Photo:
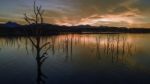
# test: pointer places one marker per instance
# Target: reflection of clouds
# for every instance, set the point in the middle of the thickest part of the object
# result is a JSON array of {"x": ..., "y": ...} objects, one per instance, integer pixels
[
  {"x": 115, "y": 48},
  {"x": 86, "y": 47},
  {"x": 103, "y": 39}
]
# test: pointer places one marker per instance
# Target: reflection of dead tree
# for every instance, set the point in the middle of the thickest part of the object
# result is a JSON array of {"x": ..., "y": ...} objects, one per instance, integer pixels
[
  {"x": 41, "y": 48},
  {"x": 129, "y": 49},
  {"x": 71, "y": 46},
  {"x": 53, "y": 44},
  {"x": 98, "y": 41},
  {"x": 117, "y": 43},
  {"x": 118, "y": 48},
  {"x": 67, "y": 47},
  {"x": 112, "y": 48},
  {"x": 108, "y": 44},
  {"x": 123, "y": 45}
]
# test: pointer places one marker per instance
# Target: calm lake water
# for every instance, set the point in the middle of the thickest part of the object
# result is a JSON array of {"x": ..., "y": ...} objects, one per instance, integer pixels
[{"x": 76, "y": 59}]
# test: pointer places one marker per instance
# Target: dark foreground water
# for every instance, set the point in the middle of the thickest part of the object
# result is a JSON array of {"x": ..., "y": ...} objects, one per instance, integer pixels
[{"x": 76, "y": 59}]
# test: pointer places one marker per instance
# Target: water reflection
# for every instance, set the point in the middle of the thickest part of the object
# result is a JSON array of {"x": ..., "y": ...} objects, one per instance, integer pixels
[
  {"x": 36, "y": 45},
  {"x": 41, "y": 56},
  {"x": 119, "y": 47},
  {"x": 75, "y": 48}
]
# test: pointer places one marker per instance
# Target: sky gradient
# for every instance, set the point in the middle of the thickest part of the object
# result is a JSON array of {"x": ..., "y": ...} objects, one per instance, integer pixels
[{"x": 124, "y": 13}]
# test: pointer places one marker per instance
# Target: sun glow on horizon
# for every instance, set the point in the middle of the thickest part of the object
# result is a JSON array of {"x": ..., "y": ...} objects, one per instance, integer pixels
[{"x": 97, "y": 20}]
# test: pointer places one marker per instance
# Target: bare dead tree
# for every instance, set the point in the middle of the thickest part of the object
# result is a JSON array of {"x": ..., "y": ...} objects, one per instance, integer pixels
[
  {"x": 37, "y": 43},
  {"x": 37, "y": 17}
]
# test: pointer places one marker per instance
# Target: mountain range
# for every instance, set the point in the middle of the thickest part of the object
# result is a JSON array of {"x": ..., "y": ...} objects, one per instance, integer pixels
[{"x": 12, "y": 28}]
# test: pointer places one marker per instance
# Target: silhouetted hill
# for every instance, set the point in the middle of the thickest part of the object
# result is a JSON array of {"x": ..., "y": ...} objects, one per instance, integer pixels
[
  {"x": 12, "y": 28},
  {"x": 12, "y": 24}
]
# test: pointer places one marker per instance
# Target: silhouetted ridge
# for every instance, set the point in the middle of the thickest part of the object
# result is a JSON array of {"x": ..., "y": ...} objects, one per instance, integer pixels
[
  {"x": 12, "y": 24},
  {"x": 12, "y": 28}
]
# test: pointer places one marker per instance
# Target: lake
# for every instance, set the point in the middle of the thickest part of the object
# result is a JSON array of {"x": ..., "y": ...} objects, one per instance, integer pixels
[{"x": 76, "y": 59}]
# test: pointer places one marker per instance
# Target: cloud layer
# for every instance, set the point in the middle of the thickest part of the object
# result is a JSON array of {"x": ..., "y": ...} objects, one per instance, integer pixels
[{"x": 130, "y": 13}]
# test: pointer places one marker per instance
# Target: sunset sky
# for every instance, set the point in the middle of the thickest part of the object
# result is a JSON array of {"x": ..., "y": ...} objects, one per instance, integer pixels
[{"x": 128, "y": 13}]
